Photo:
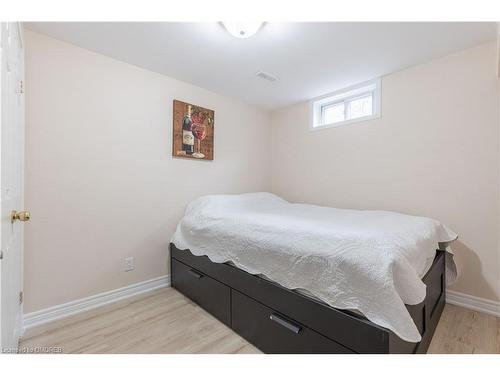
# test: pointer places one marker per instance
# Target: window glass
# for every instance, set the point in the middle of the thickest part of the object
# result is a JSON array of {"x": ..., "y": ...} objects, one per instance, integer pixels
[
  {"x": 360, "y": 107},
  {"x": 333, "y": 113}
]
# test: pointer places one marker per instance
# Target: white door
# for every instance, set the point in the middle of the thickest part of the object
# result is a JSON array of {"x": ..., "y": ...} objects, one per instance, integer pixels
[{"x": 11, "y": 183}]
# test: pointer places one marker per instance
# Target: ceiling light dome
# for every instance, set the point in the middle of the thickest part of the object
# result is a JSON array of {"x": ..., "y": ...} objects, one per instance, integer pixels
[{"x": 242, "y": 29}]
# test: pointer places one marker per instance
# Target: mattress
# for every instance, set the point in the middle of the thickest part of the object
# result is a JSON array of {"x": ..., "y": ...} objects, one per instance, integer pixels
[
  {"x": 306, "y": 293},
  {"x": 368, "y": 261}
]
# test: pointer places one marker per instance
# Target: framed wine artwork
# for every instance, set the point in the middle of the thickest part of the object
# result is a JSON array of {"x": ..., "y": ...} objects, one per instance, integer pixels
[{"x": 193, "y": 131}]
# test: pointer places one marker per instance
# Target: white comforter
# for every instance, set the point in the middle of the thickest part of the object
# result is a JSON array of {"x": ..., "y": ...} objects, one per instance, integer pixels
[{"x": 371, "y": 261}]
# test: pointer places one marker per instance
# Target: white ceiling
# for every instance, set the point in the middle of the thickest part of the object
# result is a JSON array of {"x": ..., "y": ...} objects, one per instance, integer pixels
[{"x": 310, "y": 59}]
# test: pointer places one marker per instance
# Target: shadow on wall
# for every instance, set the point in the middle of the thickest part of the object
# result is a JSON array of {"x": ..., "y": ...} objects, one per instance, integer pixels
[{"x": 469, "y": 266}]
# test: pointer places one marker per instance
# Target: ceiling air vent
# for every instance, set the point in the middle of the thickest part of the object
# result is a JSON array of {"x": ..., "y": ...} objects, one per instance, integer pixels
[{"x": 266, "y": 76}]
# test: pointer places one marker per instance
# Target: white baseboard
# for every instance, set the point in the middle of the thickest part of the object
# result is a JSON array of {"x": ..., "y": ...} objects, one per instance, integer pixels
[
  {"x": 74, "y": 307},
  {"x": 473, "y": 303},
  {"x": 64, "y": 310}
]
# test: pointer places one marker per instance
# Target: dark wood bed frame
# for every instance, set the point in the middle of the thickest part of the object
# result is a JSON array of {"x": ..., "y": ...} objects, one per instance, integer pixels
[{"x": 280, "y": 320}]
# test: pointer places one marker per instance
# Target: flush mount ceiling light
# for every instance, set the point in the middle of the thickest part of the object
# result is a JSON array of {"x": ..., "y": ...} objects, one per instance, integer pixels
[{"x": 242, "y": 29}]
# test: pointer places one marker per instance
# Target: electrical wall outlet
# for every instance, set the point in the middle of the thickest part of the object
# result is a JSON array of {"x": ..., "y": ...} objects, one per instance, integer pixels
[{"x": 129, "y": 264}]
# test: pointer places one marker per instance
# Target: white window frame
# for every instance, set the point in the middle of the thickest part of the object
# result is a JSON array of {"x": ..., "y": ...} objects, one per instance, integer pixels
[{"x": 317, "y": 105}]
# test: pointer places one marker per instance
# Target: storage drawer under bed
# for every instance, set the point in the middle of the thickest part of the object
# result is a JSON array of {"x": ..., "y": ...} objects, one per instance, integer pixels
[
  {"x": 212, "y": 295},
  {"x": 246, "y": 303},
  {"x": 274, "y": 333},
  {"x": 334, "y": 325}
]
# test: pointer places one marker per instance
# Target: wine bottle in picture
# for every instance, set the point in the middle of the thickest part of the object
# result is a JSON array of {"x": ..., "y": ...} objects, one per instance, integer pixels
[{"x": 187, "y": 134}]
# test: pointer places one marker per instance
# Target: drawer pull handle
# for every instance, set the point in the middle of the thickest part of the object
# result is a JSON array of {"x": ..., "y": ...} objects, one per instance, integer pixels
[
  {"x": 196, "y": 274},
  {"x": 285, "y": 323}
]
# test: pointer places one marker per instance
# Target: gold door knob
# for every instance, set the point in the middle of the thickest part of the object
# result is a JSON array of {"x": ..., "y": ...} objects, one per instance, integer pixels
[{"x": 19, "y": 215}]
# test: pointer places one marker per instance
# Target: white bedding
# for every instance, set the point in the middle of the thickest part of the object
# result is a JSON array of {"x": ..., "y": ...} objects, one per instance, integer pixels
[{"x": 371, "y": 261}]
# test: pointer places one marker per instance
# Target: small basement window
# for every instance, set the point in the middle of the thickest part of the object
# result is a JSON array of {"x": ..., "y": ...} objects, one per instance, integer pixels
[{"x": 356, "y": 103}]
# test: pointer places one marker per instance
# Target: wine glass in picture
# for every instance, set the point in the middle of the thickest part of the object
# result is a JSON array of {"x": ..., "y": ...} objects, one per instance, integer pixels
[{"x": 200, "y": 132}]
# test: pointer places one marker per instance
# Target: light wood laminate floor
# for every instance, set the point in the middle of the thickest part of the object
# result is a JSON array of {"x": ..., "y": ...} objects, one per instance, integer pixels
[{"x": 164, "y": 321}]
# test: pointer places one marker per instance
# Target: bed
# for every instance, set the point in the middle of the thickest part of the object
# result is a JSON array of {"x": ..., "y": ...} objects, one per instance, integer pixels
[{"x": 294, "y": 278}]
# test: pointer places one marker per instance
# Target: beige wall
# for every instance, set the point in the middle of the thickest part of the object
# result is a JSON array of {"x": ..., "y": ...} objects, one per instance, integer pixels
[
  {"x": 101, "y": 183},
  {"x": 434, "y": 152}
]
